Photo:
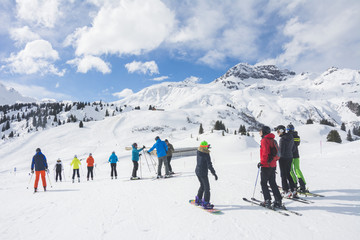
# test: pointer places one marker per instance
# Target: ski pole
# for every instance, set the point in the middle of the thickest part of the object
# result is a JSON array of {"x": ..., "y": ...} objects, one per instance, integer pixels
[
  {"x": 153, "y": 162},
  {"x": 146, "y": 161},
  {"x": 140, "y": 167},
  {"x": 256, "y": 181},
  {"x": 64, "y": 175},
  {"x": 49, "y": 178},
  {"x": 30, "y": 180}
]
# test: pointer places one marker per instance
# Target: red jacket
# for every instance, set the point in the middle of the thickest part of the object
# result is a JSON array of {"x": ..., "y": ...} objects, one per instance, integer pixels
[
  {"x": 266, "y": 143},
  {"x": 90, "y": 161}
]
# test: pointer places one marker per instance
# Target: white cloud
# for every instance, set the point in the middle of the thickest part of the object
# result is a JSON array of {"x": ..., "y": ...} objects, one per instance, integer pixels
[
  {"x": 57, "y": 85},
  {"x": 124, "y": 27},
  {"x": 192, "y": 79},
  {"x": 40, "y": 12},
  {"x": 23, "y": 35},
  {"x": 37, "y": 57},
  {"x": 87, "y": 63},
  {"x": 143, "y": 67},
  {"x": 159, "y": 79},
  {"x": 124, "y": 93}
]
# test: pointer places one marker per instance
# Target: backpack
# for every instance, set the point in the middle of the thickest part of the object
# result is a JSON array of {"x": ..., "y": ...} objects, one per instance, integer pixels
[{"x": 274, "y": 152}]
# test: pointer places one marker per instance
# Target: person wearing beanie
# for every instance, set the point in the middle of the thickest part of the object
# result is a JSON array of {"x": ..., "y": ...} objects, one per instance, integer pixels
[
  {"x": 135, "y": 159},
  {"x": 41, "y": 167},
  {"x": 58, "y": 168},
  {"x": 76, "y": 166},
  {"x": 90, "y": 167},
  {"x": 203, "y": 164},
  {"x": 169, "y": 154},
  {"x": 268, "y": 167},
  {"x": 161, "y": 150},
  {"x": 113, "y": 159}
]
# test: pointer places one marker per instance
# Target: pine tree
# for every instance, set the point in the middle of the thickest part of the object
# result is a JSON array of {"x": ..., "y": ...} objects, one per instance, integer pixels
[
  {"x": 107, "y": 113},
  {"x": 309, "y": 121},
  {"x": 201, "y": 130},
  {"x": 81, "y": 124},
  {"x": 11, "y": 135},
  {"x": 343, "y": 127},
  {"x": 349, "y": 137},
  {"x": 333, "y": 136}
]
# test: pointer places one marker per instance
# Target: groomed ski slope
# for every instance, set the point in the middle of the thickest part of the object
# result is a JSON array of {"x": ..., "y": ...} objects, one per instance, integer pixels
[{"x": 159, "y": 209}]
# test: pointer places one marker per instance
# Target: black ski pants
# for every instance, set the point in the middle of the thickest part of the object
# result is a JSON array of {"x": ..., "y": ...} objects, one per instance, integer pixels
[
  {"x": 90, "y": 172},
  {"x": 286, "y": 179},
  {"x": 113, "y": 169},
  {"x": 268, "y": 176},
  {"x": 135, "y": 168},
  {"x": 169, "y": 160},
  {"x": 204, "y": 188},
  {"x": 58, "y": 174},
  {"x": 76, "y": 171}
]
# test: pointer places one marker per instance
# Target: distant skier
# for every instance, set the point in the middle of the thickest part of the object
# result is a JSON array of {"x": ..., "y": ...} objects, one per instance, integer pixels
[
  {"x": 268, "y": 167},
  {"x": 295, "y": 171},
  {"x": 41, "y": 167},
  {"x": 286, "y": 144},
  {"x": 113, "y": 159},
  {"x": 169, "y": 155},
  {"x": 58, "y": 168},
  {"x": 135, "y": 159},
  {"x": 161, "y": 149},
  {"x": 203, "y": 164},
  {"x": 90, "y": 167},
  {"x": 76, "y": 166}
]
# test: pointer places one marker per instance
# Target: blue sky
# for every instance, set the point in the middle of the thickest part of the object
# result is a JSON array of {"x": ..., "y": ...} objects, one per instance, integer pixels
[{"x": 106, "y": 49}]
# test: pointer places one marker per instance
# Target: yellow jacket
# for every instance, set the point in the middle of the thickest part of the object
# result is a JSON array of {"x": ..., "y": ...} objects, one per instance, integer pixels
[{"x": 76, "y": 162}]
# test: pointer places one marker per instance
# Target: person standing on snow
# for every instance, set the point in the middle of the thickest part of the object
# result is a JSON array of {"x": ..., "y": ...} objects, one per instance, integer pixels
[
  {"x": 286, "y": 155},
  {"x": 90, "y": 167},
  {"x": 295, "y": 171},
  {"x": 41, "y": 166},
  {"x": 113, "y": 159},
  {"x": 135, "y": 160},
  {"x": 268, "y": 167},
  {"x": 169, "y": 155},
  {"x": 203, "y": 164},
  {"x": 76, "y": 166},
  {"x": 58, "y": 168},
  {"x": 161, "y": 149}
]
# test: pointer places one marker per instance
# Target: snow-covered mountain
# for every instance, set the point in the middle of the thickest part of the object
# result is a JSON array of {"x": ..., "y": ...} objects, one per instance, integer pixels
[{"x": 11, "y": 96}]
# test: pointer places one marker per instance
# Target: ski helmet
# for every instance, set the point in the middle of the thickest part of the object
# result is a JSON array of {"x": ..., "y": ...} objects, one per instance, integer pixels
[
  {"x": 280, "y": 128},
  {"x": 90, "y": 154},
  {"x": 265, "y": 130},
  {"x": 290, "y": 127},
  {"x": 38, "y": 150},
  {"x": 134, "y": 144},
  {"x": 166, "y": 140},
  {"x": 157, "y": 138},
  {"x": 75, "y": 156}
]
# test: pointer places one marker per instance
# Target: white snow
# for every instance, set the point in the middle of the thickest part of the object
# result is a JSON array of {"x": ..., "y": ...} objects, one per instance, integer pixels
[{"x": 159, "y": 209}]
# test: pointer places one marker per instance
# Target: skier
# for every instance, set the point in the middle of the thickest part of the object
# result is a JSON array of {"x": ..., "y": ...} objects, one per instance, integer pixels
[
  {"x": 169, "y": 155},
  {"x": 58, "y": 168},
  {"x": 285, "y": 161},
  {"x": 90, "y": 167},
  {"x": 268, "y": 167},
  {"x": 295, "y": 172},
  {"x": 203, "y": 164},
  {"x": 41, "y": 166},
  {"x": 76, "y": 165},
  {"x": 113, "y": 159},
  {"x": 161, "y": 149},
  {"x": 135, "y": 160}
]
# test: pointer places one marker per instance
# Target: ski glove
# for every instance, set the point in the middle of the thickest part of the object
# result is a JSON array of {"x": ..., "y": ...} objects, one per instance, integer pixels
[
  {"x": 216, "y": 177},
  {"x": 143, "y": 146},
  {"x": 259, "y": 165},
  {"x": 32, "y": 170}
]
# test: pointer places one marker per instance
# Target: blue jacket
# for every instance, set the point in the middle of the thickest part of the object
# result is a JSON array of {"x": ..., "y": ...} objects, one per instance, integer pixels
[
  {"x": 161, "y": 148},
  {"x": 135, "y": 153},
  {"x": 113, "y": 158},
  {"x": 39, "y": 161}
]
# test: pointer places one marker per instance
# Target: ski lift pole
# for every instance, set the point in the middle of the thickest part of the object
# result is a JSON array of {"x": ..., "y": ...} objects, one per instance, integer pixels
[{"x": 29, "y": 180}]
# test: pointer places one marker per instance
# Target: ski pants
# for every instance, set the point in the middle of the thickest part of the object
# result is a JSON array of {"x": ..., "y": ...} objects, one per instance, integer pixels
[
  {"x": 296, "y": 172},
  {"x": 286, "y": 179},
  {"x": 135, "y": 168},
  {"x": 76, "y": 171},
  {"x": 90, "y": 172},
  {"x": 268, "y": 175},
  {"x": 113, "y": 169},
  {"x": 161, "y": 161},
  {"x": 169, "y": 160},
  {"x": 204, "y": 188},
  {"x": 58, "y": 175},
  {"x": 37, "y": 178}
]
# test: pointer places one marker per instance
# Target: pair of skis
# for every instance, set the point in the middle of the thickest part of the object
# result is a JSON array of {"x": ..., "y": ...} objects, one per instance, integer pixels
[{"x": 283, "y": 211}]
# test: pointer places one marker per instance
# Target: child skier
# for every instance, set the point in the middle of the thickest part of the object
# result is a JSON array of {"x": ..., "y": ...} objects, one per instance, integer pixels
[
  {"x": 113, "y": 159},
  {"x": 203, "y": 164},
  {"x": 58, "y": 168},
  {"x": 76, "y": 165},
  {"x": 41, "y": 166},
  {"x": 268, "y": 167},
  {"x": 90, "y": 167},
  {"x": 135, "y": 160}
]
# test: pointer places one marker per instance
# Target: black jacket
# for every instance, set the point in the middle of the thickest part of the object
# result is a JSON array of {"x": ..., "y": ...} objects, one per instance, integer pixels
[
  {"x": 296, "y": 143},
  {"x": 203, "y": 162},
  {"x": 39, "y": 161},
  {"x": 286, "y": 145}
]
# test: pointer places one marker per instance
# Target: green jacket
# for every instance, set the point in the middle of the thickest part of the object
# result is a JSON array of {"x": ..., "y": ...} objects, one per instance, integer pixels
[{"x": 76, "y": 162}]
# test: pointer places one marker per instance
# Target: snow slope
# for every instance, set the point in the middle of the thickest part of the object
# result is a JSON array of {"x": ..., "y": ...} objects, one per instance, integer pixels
[
  {"x": 159, "y": 209},
  {"x": 11, "y": 96}
]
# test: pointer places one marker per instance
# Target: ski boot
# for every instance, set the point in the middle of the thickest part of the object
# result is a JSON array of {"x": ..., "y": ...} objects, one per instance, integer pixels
[
  {"x": 35, "y": 190},
  {"x": 158, "y": 176},
  {"x": 45, "y": 189},
  {"x": 73, "y": 181},
  {"x": 171, "y": 173},
  {"x": 266, "y": 203},
  {"x": 198, "y": 201},
  {"x": 134, "y": 178},
  {"x": 88, "y": 179},
  {"x": 294, "y": 194},
  {"x": 78, "y": 179},
  {"x": 207, "y": 205},
  {"x": 167, "y": 176},
  {"x": 287, "y": 194},
  {"x": 278, "y": 204}
]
